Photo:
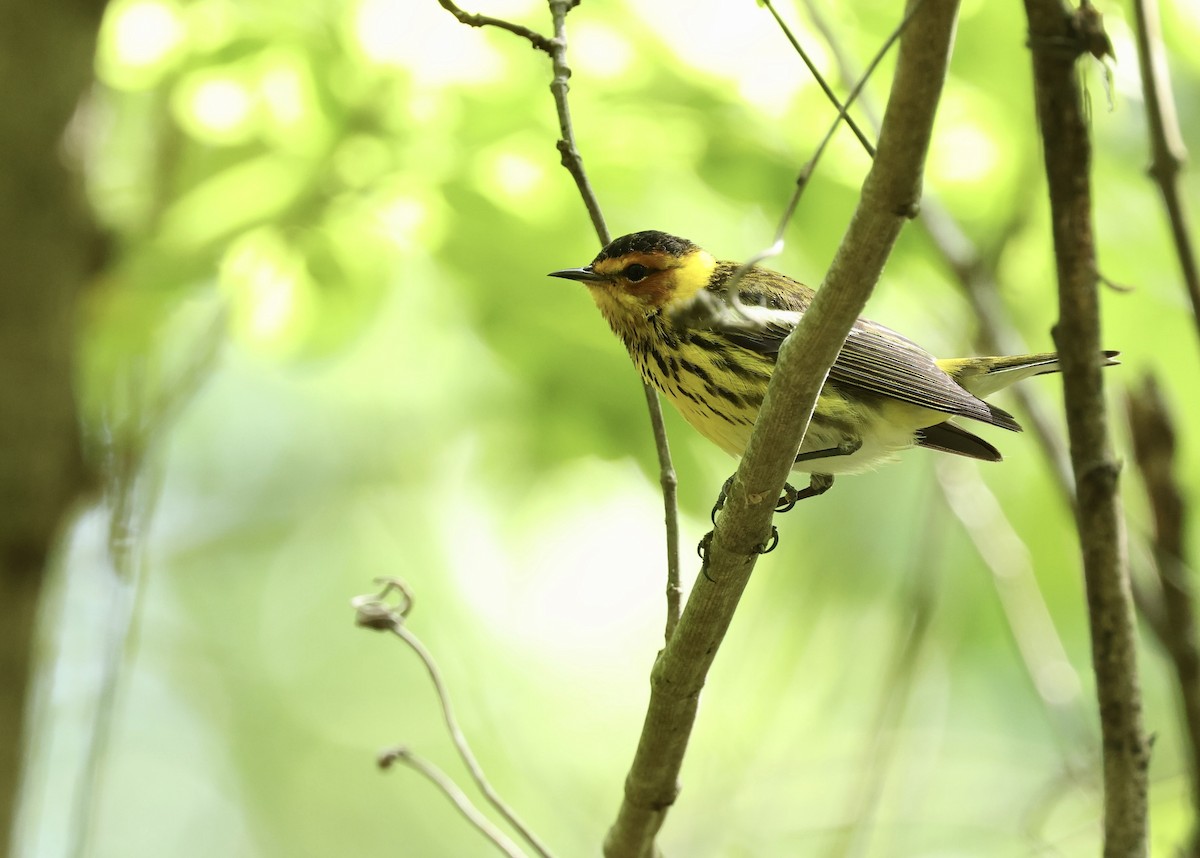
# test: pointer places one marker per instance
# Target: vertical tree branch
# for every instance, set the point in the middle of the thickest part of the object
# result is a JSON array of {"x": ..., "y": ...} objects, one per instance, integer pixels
[
  {"x": 1057, "y": 38},
  {"x": 48, "y": 250},
  {"x": 1154, "y": 445},
  {"x": 1166, "y": 143},
  {"x": 890, "y": 196}
]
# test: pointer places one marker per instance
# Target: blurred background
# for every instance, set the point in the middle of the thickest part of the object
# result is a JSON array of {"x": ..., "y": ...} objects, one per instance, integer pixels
[{"x": 322, "y": 349}]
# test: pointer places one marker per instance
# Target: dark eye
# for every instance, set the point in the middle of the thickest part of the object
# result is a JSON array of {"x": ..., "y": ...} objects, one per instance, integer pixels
[{"x": 635, "y": 272}]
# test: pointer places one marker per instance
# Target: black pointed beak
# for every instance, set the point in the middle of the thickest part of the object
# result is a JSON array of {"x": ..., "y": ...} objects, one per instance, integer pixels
[{"x": 586, "y": 275}]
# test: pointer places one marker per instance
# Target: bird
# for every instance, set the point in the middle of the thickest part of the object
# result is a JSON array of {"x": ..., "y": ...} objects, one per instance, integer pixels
[{"x": 710, "y": 350}]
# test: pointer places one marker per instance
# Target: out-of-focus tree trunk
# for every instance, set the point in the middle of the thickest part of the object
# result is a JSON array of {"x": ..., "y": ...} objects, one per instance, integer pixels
[{"x": 47, "y": 247}]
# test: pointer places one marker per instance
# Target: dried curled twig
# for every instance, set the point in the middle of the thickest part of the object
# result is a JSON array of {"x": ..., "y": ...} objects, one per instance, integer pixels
[{"x": 375, "y": 612}]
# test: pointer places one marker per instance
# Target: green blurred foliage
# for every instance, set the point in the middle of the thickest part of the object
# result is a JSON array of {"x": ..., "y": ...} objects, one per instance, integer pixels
[{"x": 362, "y": 201}]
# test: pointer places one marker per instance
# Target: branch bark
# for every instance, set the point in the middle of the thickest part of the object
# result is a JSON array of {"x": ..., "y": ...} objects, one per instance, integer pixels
[
  {"x": 890, "y": 196},
  {"x": 46, "y": 255},
  {"x": 1154, "y": 445},
  {"x": 1058, "y": 37},
  {"x": 1166, "y": 141}
]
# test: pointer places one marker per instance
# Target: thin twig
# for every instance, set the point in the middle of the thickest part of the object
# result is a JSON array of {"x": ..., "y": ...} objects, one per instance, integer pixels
[
  {"x": 1057, "y": 39},
  {"x": 807, "y": 170},
  {"x": 560, "y": 86},
  {"x": 670, "y": 489},
  {"x": 573, "y": 162},
  {"x": 460, "y": 742},
  {"x": 1166, "y": 141},
  {"x": 375, "y": 612},
  {"x": 556, "y": 48},
  {"x": 537, "y": 40},
  {"x": 1153, "y": 431},
  {"x": 727, "y": 312},
  {"x": 819, "y": 78},
  {"x": 889, "y": 194},
  {"x": 457, "y": 797}
]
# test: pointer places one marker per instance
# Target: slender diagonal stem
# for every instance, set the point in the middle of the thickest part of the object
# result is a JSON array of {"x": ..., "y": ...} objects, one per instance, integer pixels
[
  {"x": 460, "y": 741},
  {"x": 808, "y": 169},
  {"x": 133, "y": 490},
  {"x": 556, "y": 49},
  {"x": 573, "y": 162},
  {"x": 819, "y": 78},
  {"x": 1030, "y": 623},
  {"x": 457, "y": 797},
  {"x": 732, "y": 301},
  {"x": 387, "y": 611}
]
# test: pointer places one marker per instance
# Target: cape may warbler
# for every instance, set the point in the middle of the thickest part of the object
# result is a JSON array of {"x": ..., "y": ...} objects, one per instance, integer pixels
[{"x": 884, "y": 393}]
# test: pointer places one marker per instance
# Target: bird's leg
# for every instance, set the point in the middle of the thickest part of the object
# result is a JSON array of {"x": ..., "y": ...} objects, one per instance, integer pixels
[
  {"x": 722, "y": 496},
  {"x": 818, "y": 484},
  {"x": 847, "y": 447}
]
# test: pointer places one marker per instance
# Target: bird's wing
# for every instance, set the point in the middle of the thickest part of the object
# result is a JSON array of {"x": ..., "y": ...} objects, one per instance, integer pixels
[{"x": 876, "y": 360}]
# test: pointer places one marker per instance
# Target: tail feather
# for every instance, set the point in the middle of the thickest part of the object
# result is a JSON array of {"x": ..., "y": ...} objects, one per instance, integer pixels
[
  {"x": 984, "y": 376},
  {"x": 950, "y": 438}
]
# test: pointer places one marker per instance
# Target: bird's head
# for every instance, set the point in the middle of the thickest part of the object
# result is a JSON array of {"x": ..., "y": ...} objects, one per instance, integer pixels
[{"x": 642, "y": 273}]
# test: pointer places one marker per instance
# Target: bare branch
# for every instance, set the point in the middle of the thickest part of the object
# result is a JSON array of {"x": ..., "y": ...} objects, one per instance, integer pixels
[
  {"x": 556, "y": 48},
  {"x": 807, "y": 170},
  {"x": 374, "y": 612},
  {"x": 890, "y": 196},
  {"x": 1166, "y": 141},
  {"x": 458, "y": 798},
  {"x": 670, "y": 489},
  {"x": 1153, "y": 432},
  {"x": 1058, "y": 37},
  {"x": 559, "y": 86},
  {"x": 573, "y": 161},
  {"x": 819, "y": 78},
  {"x": 538, "y": 41}
]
